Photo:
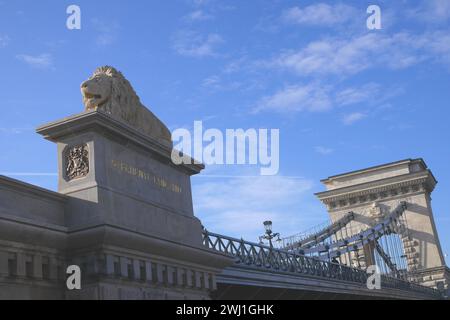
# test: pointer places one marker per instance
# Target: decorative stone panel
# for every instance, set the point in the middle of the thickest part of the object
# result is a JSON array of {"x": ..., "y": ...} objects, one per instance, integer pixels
[{"x": 76, "y": 162}]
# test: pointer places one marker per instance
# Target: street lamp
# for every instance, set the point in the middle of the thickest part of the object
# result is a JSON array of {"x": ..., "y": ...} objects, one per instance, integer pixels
[
  {"x": 269, "y": 234},
  {"x": 268, "y": 226}
]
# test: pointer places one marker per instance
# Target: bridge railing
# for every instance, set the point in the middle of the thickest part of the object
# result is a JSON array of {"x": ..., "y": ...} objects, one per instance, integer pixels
[
  {"x": 316, "y": 234},
  {"x": 268, "y": 258}
]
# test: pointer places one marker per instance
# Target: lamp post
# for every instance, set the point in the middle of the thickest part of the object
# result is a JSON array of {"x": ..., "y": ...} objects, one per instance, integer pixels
[{"x": 269, "y": 235}]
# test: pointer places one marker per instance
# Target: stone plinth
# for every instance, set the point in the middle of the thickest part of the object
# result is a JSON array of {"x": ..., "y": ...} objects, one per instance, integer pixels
[
  {"x": 129, "y": 214},
  {"x": 118, "y": 176}
]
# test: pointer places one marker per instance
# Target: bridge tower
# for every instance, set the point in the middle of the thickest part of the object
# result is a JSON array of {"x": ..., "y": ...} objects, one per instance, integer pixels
[{"x": 373, "y": 192}]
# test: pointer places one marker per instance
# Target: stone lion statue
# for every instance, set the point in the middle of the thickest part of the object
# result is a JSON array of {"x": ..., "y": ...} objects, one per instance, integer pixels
[{"x": 107, "y": 90}]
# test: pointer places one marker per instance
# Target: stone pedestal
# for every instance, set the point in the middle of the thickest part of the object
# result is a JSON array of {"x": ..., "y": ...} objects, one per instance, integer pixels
[{"x": 129, "y": 213}]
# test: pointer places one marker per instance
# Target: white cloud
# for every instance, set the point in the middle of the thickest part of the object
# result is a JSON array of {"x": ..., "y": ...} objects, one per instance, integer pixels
[
  {"x": 193, "y": 44},
  {"x": 338, "y": 56},
  {"x": 105, "y": 39},
  {"x": 238, "y": 206},
  {"x": 433, "y": 11},
  {"x": 323, "y": 150},
  {"x": 439, "y": 9},
  {"x": 200, "y": 3},
  {"x": 311, "y": 97},
  {"x": 235, "y": 65},
  {"x": 215, "y": 82},
  {"x": 4, "y": 40},
  {"x": 211, "y": 82},
  {"x": 198, "y": 15},
  {"x": 320, "y": 14},
  {"x": 258, "y": 191},
  {"x": 344, "y": 57},
  {"x": 329, "y": 57},
  {"x": 354, "y": 95},
  {"x": 42, "y": 61},
  {"x": 353, "y": 117},
  {"x": 315, "y": 97},
  {"x": 106, "y": 32},
  {"x": 9, "y": 131},
  {"x": 439, "y": 45}
]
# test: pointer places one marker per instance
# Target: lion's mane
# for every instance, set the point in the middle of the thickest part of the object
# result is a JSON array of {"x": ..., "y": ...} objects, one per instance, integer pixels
[{"x": 125, "y": 104}]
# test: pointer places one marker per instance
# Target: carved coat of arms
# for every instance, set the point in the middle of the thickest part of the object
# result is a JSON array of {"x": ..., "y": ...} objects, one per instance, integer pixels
[{"x": 77, "y": 162}]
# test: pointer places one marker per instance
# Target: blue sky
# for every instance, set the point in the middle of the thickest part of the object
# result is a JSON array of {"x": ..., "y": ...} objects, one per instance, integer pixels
[{"x": 343, "y": 97}]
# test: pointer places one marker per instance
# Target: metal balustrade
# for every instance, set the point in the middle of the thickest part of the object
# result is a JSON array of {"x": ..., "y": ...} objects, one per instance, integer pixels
[{"x": 276, "y": 260}]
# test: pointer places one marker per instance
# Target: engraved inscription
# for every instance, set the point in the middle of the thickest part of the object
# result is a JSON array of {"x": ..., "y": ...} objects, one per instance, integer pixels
[
  {"x": 147, "y": 176},
  {"x": 77, "y": 162}
]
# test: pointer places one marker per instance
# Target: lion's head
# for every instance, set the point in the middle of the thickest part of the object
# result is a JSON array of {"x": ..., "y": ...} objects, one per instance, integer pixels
[
  {"x": 97, "y": 90},
  {"x": 106, "y": 89}
]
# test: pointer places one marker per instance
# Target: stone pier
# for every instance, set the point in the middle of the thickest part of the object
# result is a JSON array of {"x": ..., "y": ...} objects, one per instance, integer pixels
[{"x": 371, "y": 193}]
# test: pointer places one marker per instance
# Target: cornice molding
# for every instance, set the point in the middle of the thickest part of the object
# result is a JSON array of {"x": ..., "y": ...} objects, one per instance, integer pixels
[
  {"x": 29, "y": 189},
  {"x": 100, "y": 122},
  {"x": 380, "y": 190}
]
